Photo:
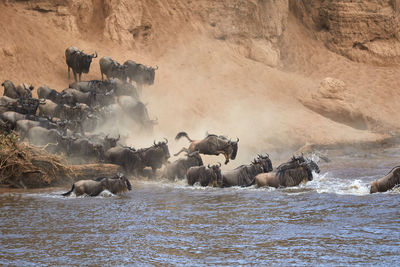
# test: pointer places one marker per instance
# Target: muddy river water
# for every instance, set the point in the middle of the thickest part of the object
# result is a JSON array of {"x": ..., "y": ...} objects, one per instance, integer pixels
[{"x": 332, "y": 220}]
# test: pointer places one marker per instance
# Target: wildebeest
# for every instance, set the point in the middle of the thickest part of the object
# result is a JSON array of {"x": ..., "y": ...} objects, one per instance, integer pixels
[
  {"x": 140, "y": 73},
  {"x": 45, "y": 92},
  {"x": 40, "y": 136},
  {"x": 291, "y": 173},
  {"x": 245, "y": 175},
  {"x": 20, "y": 91},
  {"x": 75, "y": 96},
  {"x": 128, "y": 158},
  {"x": 78, "y": 61},
  {"x": 211, "y": 145},
  {"x": 137, "y": 111},
  {"x": 387, "y": 182},
  {"x": 179, "y": 167},
  {"x": 156, "y": 155},
  {"x": 124, "y": 88},
  {"x": 81, "y": 147},
  {"x": 115, "y": 185},
  {"x": 105, "y": 141},
  {"x": 206, "y": 176},
  {"x": 7, "y": 104},
  {"x": 93, "y": 85},
  {"x": 51, "y": 109},
  {"x": 23, "y": 126},
  {"x": 112, "y": 69}
]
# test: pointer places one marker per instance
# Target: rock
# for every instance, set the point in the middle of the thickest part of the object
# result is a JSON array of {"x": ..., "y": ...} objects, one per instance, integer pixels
[
  {"x": 332, "y": 100},
  {"x": 364, "y": 31}
]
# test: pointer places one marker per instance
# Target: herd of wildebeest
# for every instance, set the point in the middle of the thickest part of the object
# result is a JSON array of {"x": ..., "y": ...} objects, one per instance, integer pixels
[{"x": 68, "y": 121}]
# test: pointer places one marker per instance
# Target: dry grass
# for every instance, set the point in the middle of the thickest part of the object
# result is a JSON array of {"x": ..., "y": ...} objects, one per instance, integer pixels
[{"x": 23, "y": 165}]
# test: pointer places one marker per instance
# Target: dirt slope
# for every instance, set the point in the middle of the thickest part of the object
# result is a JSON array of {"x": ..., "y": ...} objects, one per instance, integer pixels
[{"x": 243, "y": 68}]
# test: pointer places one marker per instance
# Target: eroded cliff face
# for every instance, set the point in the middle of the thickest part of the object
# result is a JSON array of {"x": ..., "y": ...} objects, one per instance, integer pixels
[
  {"x": 251, "y": 68},
  {"x": 363, "y": 31},
  {"x": 256, "y": 26}
]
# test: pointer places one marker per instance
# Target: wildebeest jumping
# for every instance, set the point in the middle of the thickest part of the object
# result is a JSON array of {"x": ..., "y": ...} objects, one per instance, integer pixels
[
  {"x": 179, "y": 167},
  {"x": 244, "y": 175},
  {"x": 387, "y": 182},
  {"x": 206, "y": 176},
  {"x": 78, "y": 61},
  {"x": 115, "y": 185},
  {"x": 211, "y": 145},
  {"x": 292, "y": 173}
]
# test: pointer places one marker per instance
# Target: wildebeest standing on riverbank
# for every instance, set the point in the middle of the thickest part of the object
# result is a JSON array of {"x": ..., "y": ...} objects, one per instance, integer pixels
[
  {"x": 78, "y": 61},
  {"x": 387, "y": 182},
  {"x": 211, "y": 145}
]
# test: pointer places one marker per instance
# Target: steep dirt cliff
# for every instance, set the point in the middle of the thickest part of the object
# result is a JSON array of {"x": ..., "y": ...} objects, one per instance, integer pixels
[{"x": 247, "y": 68}]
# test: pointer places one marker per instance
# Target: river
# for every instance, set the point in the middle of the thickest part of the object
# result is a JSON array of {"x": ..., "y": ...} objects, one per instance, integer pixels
[{"x": 332, "y": 220}]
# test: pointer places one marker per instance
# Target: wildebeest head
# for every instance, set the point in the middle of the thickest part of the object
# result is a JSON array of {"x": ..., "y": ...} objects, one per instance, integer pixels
[
  {"x": 310, "y": 166},
  {"x": 265, "y": 162},
  {"x": 234, "y": 145},
  {"x": 196, "y": 155},
  {"x": 123, "y": 178},
  {"x": 110, "y": 142},
  {"x": 216, "y": 179},
  {"x": 164, "y": 147},
  {"x": 148, "y": 74},
  {"x": 86, "y": 61}
]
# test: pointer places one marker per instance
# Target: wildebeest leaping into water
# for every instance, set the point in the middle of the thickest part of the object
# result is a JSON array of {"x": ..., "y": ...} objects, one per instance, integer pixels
[
  {"x": 291, "y": 173},
  {"x": 211, "y": 145}
]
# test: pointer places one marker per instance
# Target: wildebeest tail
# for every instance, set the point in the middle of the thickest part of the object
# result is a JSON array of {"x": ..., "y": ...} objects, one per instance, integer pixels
[
  {"x": 183, "y": 134},
  {"x": 70, "y": 191}
]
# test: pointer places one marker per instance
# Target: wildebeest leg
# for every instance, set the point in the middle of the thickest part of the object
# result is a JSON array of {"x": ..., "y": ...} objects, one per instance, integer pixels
[
  {"x": 80, "y": 74},
  {"x": 102, "y": 76},
  {"x": 184, "y": 149},
  {"x": 73, "y": 71},
  {"x": 139, "y": 87},
  {"x": 226, "y": 156},
  {"x": 69, "y": 75}
]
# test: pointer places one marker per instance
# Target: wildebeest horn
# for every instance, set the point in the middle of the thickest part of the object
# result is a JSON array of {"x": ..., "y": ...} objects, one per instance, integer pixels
[
  {"x": 219, "y": 164},
  {"x": 119, "y": 136},
  {"x": 237, "y": 139},
  {"x": 42, "y": 101},
  {"x": 156, "y": 68},
  {"x": 208, "y": 166},
  {"x": 155, "y": 143},
  {"x": 166, "y": 140},
  {"x": 94, "y": 56}
]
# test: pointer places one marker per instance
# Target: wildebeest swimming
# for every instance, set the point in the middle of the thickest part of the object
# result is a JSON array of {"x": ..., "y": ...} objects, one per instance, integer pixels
[
  {"x": 387, "y": 182},
  {"x": 206, "y": 176},
  {"x": 211, "y": 145},
  {"x": 245, "y": 175},
  {"x": 115, "y": 185},
  {"x": 292, "y": 173},
  {"x": 78, "y": 61},
  {"x": 179, "y": 167}
]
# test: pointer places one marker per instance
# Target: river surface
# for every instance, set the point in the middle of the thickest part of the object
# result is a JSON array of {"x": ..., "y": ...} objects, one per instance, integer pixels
[{"x": 332, "y": 220}]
